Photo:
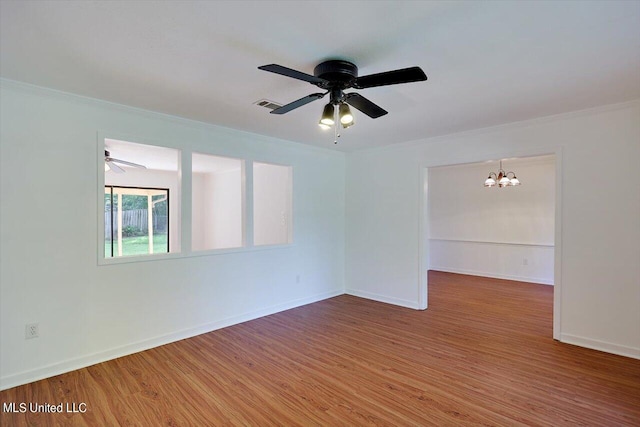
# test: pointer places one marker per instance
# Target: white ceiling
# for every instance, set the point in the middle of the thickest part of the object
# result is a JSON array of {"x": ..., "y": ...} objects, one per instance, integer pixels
[
  {"x": 150, "y": 156},
  {"x": 166, "y": 159},
  {"x": 488, "y": 63}
]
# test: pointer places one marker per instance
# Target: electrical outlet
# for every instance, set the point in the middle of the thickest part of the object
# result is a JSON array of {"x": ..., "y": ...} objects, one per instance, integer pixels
[
  {"x": 297, "y": 278},
  {"x": 31, "y": 330},
  {"x": 525, "y": 261}
]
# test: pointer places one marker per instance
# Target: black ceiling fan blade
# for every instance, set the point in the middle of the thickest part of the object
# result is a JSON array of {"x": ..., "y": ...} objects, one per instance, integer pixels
[
  {"x": 279, "y": 69},
  {"x": 298, "y": 103},
  {"x": 363, "y": 104},
  {"x": 404, "y": 75}
]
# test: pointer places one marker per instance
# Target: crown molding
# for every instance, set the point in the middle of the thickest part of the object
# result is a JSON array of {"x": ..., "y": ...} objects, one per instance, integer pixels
[
  {"x": 634, "y": 103},
  {"x": 295, "y": 145},
  {"x": 154, "y": 115}
]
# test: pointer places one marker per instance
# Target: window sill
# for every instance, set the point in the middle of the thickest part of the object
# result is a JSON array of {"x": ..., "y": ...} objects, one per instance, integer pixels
[{"x": 181, "y": 255}]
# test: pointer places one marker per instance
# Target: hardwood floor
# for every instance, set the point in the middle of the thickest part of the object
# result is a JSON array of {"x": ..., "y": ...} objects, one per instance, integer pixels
[{"x": 482, "y": 354}]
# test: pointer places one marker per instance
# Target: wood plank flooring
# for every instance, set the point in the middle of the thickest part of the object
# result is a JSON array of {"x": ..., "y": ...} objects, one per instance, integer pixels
[{"x": 482, "y": 354}]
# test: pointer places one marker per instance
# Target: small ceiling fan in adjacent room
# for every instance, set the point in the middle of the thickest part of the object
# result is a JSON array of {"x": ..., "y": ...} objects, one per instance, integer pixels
[
  {"x": 111, "y": 164},
  {"x": 336, "y": 76}
]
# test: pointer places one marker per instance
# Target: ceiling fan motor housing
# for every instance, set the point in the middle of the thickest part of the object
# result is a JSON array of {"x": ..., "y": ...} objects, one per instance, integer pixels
[{"x": 338, "y": 74}]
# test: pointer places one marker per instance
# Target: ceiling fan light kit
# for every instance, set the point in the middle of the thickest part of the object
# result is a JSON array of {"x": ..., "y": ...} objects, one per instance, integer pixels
[
  {"x": 327, "y": 116},
  {"x": 335, "y": 76},
  {"x": 346, "y": 118}
]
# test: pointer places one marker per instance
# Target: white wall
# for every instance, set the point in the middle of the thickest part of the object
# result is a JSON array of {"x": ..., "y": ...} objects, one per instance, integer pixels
[
  {"x": 217, "y": 217},
  {"x": 49, "y": 271},
  {"x": 521, "y": 262},
  {"x": 506, "y": 233},
  {"x": 226, "y": 209},
  {"x": 598, "y": 279},
  {"x": 271, "y": 203}
]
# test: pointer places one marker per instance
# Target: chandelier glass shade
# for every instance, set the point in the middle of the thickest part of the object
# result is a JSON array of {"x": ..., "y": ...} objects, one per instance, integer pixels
[{"x": 501, "y": 179}]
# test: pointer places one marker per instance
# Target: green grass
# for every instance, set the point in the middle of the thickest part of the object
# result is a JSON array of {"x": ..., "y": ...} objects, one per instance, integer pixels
[{"x": 137, "y": 245}]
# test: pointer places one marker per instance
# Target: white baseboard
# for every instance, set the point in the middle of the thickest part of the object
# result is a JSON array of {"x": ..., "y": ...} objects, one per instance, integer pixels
[
  {"x": 383, "y": 298},
  {"x": 493, "y": 275},
  {"x": 48, "y": 371},
  {"x": 607, "y": 347}
]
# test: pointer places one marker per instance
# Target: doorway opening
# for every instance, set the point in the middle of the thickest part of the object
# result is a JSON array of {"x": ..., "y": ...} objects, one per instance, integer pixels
[{"x": 508, "y": 233}]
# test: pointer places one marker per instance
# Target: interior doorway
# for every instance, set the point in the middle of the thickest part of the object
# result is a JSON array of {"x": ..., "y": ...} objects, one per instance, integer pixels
[{"x": 507, "y": 233}]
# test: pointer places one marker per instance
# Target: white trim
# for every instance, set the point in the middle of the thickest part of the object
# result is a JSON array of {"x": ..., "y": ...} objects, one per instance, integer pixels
[
  {"x": 194, "y": 124},
  {"x": 25, "y": 377},
  {"x": 493, "y": 275},
  {"x": 557, "y": 252},
  {"x": 424, "y": 233},
  {"x": 607, "y": 347},
  {"x": 185, "y": 203},
  {"x": 86, "y": 100},
  {"x": 504, "y": 126},
  {"x": 247, "y": 205},
  {"x": 487, "y": 242},
  {"x": 100, "y": 255},
  {"x": 179, "y": 255},
  {"x": 383, "y": 298}
]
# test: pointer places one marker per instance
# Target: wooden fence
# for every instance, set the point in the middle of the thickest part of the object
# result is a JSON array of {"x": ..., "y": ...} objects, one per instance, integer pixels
[{"x": 136, "y": 218}]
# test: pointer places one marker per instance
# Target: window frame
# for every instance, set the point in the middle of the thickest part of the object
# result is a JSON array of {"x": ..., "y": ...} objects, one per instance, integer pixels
[
  {"x": 183, "y": 201},
  {"x": 167, "y": 190}
]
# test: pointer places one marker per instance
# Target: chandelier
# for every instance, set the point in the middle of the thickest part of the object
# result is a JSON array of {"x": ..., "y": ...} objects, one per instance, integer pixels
[{"x": 502, "y": 179}]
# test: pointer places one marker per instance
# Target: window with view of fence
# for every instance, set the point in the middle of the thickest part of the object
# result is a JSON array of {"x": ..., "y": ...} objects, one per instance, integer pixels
[{"x": 136, "y": 221}]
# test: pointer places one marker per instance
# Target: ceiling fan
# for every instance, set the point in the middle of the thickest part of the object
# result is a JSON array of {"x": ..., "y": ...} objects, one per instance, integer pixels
[
  {"x": 335, "y": 76},
  {"x": 110, "y": 163}
]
